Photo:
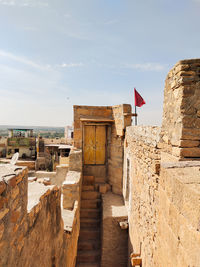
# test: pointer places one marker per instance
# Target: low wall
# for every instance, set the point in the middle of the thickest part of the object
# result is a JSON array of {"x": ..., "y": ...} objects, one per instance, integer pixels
[
  {"x": 178, "y": 238},
  {"x": 31, "y": 227},
  {"x": 140, "y": 188},
  {"x": 163, "y": 201},
  {"x": 34, "y": 230}
]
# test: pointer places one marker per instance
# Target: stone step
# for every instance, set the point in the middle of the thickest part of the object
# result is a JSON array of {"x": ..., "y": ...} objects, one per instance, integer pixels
[
  {"x": 90, "y": 203},
  {"x": 90, "y": 213},
  {"x": 88, "y": 180},
  {"x": 88, "y": 234},
  {"x": 90, "y": 195},
  {"x": 100, "y": 179},
  {"x": 88, "y": 188},
  {"x": 88, "y": 245},
  {"x": 86, "y": 264},
  {"x": 88, "y": 256},
  {"x": 102, "y": 187},
  {"x": 90, "y": 222}
]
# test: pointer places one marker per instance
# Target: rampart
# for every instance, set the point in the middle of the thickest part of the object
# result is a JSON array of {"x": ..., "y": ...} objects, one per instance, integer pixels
[
  {"x": 34, "y": 228},
  {"x": 161, "y": 179}
]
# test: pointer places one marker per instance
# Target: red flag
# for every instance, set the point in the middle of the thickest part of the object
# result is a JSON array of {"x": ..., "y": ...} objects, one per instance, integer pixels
[{"x": 139, "y": 101}]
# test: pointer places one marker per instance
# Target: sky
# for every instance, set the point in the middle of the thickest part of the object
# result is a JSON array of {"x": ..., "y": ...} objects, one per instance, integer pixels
[{"x": 58, "y": 53}]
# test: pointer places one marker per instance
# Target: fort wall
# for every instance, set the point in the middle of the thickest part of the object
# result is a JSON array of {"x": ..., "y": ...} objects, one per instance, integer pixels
[
  {"x": 34, "y": 228},
  {"x": 161, "y": 176}
]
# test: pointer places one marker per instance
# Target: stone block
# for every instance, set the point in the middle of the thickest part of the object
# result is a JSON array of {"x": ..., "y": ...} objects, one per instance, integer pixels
[
  {"x": 15, "y": 215},
  {"x": 2, "y": 187},
  {"x": 15, "y": 192},
  {"x": 3, "y": 213},
  {"x": 1, "y": 230},
  {"x": 103, "y": 188},
  {"x": 189, "y": 143}
]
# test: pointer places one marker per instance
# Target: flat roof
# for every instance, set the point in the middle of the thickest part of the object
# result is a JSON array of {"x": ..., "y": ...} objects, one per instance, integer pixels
[{"x": 60, "y": 146}]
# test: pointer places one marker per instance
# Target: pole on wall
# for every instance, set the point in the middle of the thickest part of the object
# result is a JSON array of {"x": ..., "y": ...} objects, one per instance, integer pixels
[{"x": 135, "y": 115}]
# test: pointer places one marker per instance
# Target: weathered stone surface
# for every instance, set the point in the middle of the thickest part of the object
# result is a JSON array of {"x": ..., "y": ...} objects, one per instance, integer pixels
[
  {"x": 25, "y": 233},
  {"x": 181, "y": 108},
  {"x": 1, "y": 230},
  {"x": 189, "y": 143},
  {"x": 114, "y": 239}
]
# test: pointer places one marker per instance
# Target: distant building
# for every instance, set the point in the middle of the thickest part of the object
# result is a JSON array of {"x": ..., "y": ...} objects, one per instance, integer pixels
[
  {"x": 69, "y": 131},
  {"x": 22, "y": 141},
  {"x": 59, "y": 153}
]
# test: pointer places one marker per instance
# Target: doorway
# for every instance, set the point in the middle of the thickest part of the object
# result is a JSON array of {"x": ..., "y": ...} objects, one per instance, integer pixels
[{"x": 94, "y": 144}]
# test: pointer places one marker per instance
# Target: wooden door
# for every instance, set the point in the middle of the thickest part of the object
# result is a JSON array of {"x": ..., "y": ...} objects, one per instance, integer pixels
[{"x": 94, "y": 144}]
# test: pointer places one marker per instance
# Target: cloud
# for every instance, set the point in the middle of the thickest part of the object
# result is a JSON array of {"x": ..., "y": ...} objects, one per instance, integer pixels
[
  {"x": 71, "y": 65},
  {"x": 24, "y": 3},
  {"x": 146, "y": 66},
  {"x": 22, "y": 60}
]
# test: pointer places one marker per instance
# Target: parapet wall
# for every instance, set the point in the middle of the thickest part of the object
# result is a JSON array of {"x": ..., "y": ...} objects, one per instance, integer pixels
[
  {"x": 31, "y": 229},
  {"x": 181, "y": 110},
  {"x": 34, "y": 231},
  {"x": 140, "y": 188},
  {"x": 163, "y": 202},
  {"x": 178, "y": 220},
  {"x": 161, "y": 191}
]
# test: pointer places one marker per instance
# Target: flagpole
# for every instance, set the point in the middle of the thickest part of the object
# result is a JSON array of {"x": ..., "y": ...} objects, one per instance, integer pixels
[{"x": 135, "y": 116}]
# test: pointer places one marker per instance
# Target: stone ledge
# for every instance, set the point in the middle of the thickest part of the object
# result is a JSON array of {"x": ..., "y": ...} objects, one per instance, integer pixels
[
  {"x": 72, "y": 178},
  {"x": 36, "y": 192},
  {"x": 69, "y": 218},
  {"x": 113, "y": 206}
]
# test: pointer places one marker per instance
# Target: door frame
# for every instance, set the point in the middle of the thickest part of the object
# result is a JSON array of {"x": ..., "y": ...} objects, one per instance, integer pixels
[{"x": 83, "y": 138}]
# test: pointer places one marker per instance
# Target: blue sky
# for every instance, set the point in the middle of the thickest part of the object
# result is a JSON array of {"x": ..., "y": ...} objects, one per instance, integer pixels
[{"x": 57, "y": 53}]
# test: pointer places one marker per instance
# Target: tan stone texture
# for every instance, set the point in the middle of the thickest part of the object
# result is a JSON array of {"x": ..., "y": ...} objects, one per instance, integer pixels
[{"x": 181, "y": 108}]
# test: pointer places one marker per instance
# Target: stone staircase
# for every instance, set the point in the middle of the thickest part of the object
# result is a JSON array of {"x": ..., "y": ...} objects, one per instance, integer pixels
[{"x": 89, "y": 244}]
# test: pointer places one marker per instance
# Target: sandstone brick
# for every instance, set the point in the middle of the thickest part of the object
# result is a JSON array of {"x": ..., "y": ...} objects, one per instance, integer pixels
[
  {"x": 3, "y": 213},
  {"x": 1, "y": 230},
  {"x": 189, "y": 143},
  {"x": 15, "y": 215},
  {"x": 191, "y": 134},
  {"x": 103, "y": 188},
  {"x": 2, "y": 187},
  {"x": 190, "y": 152},
  {"x": 15, "y": 192}
]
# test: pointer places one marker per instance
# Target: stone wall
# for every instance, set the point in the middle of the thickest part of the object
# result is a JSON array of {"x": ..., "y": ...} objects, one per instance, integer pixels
[
  {"x": 116, "y": 119},
  {"x": 34, "y": 231},
  {"x": 31, "y": 228},
  {"x": 140, "y": 188},
  {"x": 87, "y": 112},
  {"x": 181, "y": 110},
  {"x": 121, "y": 115},
  {"x": 178, "y": 237},
  {"x": 162, "y": 192}
]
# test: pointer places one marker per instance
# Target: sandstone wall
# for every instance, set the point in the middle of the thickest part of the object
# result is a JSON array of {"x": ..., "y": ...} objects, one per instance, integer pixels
[
  {"x": 121, "y": 115},
  {"x": 178, "y": 237},
  {"x": 181, "y": 110},
  {"x": 33, "y": 231},
  {"x": 140, "y": 188},
  {"x": 164, "y": 202},
  {"x": 87, "y": 111}
]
